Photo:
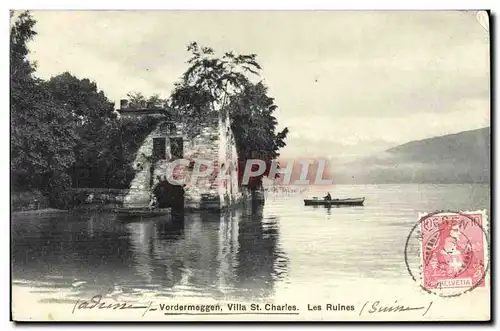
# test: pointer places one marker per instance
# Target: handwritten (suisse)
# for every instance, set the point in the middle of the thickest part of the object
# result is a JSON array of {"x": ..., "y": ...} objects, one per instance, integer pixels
[{"x": 377, "y": 307}]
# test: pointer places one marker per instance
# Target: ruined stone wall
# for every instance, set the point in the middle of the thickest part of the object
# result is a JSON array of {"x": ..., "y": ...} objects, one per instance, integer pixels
[
  {"x": 229, "y": 190},
  {"x": 214, "y": 143},
  {"x": 201, "y": 194},
  {"x": 140, "y": 191}
]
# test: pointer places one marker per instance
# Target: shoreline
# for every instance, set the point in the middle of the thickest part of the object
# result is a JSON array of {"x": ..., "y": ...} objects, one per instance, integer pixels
[{"x": 43, "y": 211}]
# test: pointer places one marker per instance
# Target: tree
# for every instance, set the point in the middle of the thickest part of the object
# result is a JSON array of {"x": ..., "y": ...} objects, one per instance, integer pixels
[
  {"x": 21, "y": 32},
  {"x": 207, "y": 84},
  {"x": 253, "y": 123},
  {"x": 81, "y": 97},
  {"x": 42, "y": 133},
  {"x": 106, "y": 145},
  {"x": 254, "y": 128},
  {"x": 214, "y": 86},
  {"x": 65, "y": 126},
  {"x": 138, "y": 100},
  {"x": 94, "y": 118},
  {"x": 156, "y": 101},
  {"x": 42, "y": 139}
]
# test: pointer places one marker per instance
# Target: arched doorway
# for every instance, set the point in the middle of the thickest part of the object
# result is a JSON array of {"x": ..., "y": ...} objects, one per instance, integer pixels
[{"x": 168, "y": 195}]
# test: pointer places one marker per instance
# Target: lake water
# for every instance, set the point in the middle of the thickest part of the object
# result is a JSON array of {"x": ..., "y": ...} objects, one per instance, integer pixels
[{"x": 255, "y": 252}]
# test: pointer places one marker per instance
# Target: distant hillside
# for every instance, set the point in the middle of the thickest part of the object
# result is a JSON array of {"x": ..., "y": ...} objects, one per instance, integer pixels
[{"x": 456, "y": 158}]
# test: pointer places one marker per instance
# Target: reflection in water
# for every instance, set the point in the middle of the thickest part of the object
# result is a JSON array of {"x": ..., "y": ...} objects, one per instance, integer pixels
[
  {"x": 141, "y": 243},
  {"x": 237, "y": 254},
  {"x": 233, "y": 254},
  {"x": 329, "y": 208},
  {"x": 260, "y": 260}
]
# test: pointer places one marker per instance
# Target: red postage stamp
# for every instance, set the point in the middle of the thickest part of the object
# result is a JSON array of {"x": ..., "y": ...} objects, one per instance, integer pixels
[{"x": 454, "y": 251}]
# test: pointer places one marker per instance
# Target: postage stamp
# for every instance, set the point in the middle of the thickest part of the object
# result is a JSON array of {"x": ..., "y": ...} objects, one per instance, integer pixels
[{"x": 454, "y": 251}]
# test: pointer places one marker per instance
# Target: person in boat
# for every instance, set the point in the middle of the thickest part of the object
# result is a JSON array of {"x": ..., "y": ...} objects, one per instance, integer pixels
[{"x": 328, "y": 197}]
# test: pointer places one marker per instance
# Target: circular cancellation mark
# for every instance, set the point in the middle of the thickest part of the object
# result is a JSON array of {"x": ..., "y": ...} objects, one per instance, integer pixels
[{"x": 446, "y": 252}]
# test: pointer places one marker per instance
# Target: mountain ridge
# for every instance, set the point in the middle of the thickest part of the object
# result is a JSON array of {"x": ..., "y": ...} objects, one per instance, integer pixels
[{"x": 462, "y": 157}]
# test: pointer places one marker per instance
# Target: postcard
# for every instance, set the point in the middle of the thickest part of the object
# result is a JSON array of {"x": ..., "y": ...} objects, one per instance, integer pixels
[{"x": 250, "y": 165}]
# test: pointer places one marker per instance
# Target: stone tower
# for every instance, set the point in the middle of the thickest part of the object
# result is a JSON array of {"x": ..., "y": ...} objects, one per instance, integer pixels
[{"x": 170, "y": 141}]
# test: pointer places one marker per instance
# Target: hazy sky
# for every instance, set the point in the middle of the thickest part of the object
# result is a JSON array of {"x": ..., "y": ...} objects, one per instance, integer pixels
[{"x": 346, "y": 83}]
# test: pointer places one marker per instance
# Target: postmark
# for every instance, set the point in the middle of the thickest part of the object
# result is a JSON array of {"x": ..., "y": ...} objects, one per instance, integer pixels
[{"x": 452, "y": 253}]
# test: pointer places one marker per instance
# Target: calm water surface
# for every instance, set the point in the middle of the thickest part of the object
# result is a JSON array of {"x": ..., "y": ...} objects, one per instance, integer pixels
[{"x": 249, "y": 253}]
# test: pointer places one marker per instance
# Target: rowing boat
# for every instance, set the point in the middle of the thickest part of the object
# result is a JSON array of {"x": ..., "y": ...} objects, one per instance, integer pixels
[{"x": 315, "y": 201}]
